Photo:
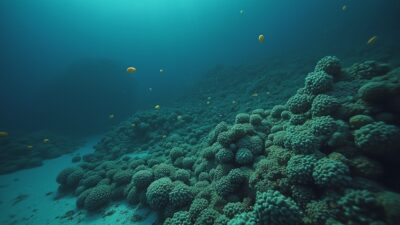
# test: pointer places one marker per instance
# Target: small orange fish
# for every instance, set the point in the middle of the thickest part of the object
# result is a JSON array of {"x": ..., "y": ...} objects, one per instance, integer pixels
[{"x": 372, "y": 40}]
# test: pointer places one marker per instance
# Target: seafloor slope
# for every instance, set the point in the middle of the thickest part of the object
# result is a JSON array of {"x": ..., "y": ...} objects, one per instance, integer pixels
[{"x": 328, "y": 155}]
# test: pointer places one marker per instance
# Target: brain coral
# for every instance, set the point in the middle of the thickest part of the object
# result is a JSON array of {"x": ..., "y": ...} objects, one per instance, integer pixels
[
  {"x": 299, "y": 103},
  {"x": 302, "y": 141},
  {"x": 318, "y": 82},
  {"x": 74, "y": 178},
  {"x": 300, "y": 167},
  {"x": 224, "y": 156},
  {"x": 330, "y": 65},
  {"x": 197, "y": 206},
  {"x": 98, "y": 197},
  {"x": 142, "y": 179},
  {"x": 255, "y": 119},
  {"x": 180, "y": 196},
  {"x": 233, "y": 208},
  {"x": 122, "y": 177},
  {"x": 207, "y": 217},
  {"x": 254, "y": 143},
  {"x": 378, "y": 138},
  {"x": 181, "y": 217},
  {"x": 247, "y": 218},
  {"x": 273, "y": 208},
  {"x": 324, "y": 105},
  {"x": 244, "y": 156},
  {"x": 277, "y": 110},
  {"x": 359, "y": 207},
  {"x": 157, "y": 194},
  {"x": 331, "y": 173},
  {"x": 242, "y": 118},
  {"x": 63, "y": 175}
]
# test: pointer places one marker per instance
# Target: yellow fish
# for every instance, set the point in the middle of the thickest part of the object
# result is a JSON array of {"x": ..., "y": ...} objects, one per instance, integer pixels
[
  {"x": 372, "y": 40},
  {"x": 131, "y": 69},
  {"x": 255, "y": 95},
  {"x": 29, "y": 146},
  {"x": 46, "y": 140},
  {"x": 3, "y": 134},
  {"x": 261, "y": 38},
  {"x": 157, "y": 107},
  {"x": 344, "y": 7}
]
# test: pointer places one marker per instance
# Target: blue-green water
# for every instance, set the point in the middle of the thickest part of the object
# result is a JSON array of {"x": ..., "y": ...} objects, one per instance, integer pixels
[
  {"x": 63, "y": 62},
  {"x": 217, "y": 126}
]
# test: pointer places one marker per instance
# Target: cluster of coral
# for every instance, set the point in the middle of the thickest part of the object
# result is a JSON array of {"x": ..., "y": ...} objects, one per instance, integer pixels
[
  {"x": 29, "y": 150},
  {"x": 328, "y": 155}
]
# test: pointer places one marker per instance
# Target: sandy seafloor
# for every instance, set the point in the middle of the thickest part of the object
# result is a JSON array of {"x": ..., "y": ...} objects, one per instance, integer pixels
[{"x": 27, "y": 197}]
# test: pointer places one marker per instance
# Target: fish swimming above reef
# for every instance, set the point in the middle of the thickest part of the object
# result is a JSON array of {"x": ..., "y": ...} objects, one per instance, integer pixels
[
  {"x": 372, "y": 40},
  {"x": 3, "y": 134}
]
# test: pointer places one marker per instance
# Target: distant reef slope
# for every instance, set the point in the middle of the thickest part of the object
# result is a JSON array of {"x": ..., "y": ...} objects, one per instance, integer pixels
[{"x": 317, "y": 148}]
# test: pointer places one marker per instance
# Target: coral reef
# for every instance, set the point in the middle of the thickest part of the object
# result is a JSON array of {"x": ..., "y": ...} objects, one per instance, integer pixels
[
  {"x": 23, "y": 151},
  {"x": 316, "y": 156}
]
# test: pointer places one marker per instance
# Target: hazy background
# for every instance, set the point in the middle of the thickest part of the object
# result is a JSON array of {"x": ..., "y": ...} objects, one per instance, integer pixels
[{"x": 63, "y": 63}]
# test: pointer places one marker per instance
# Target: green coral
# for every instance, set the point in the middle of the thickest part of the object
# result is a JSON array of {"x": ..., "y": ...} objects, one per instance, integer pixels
[
  {"x": 142, "y": 179},
  {"x": 207, "y": 217},
  {"x": 331, "y": 173},
  {"x": 359, "y": 207},
  {"x": 299, "y": 103},
  {"x": 98, "y": 197},
  {"x": 300, "y": 168},
  {"x": 157, "y": 194},
  {"x": 302, "y": 141},
  {"x": 122, "y": 177},
  {"x": 247, "y": 218},
  {"x": 273, "y": 208},
  {"x": 242, "y": 118},
  {"x": 233, "y": 208},
  {"x": 378, "y": 138},
  {"x": 197, "y": 206},
  {"x": 224, "y": 156},
  {"x": 244, "y": 156},
  {"x": 330, "y": 65},
  {"x": 318, "y": 82},
  {"x": 181, "y": 195},
  {"x": 181, "y": 218},
  {"x": 324, "y": 105}
]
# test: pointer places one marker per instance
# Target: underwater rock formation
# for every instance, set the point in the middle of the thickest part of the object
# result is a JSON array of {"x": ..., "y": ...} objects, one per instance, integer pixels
[
  {"x": 315, "y": 159},
  {"x": 29, "y": 150}
]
